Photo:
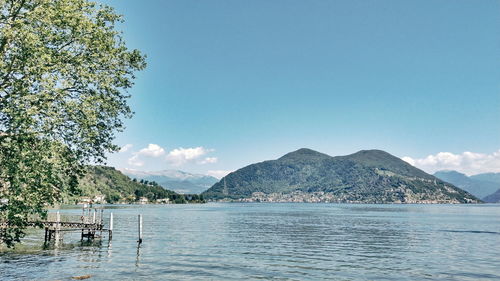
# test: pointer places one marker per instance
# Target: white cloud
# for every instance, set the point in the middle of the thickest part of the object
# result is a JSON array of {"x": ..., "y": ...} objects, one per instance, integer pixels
[
  {"x": 176, "y": 157},
  {"x": 409, "y": 160},
  {"x": 125, "y": 148},
  {"x": 153, "y": 150},
  {"x": 469, "y": 163},
  {"x": 208, "y": 160},
  {"x": 135, "y": 161},
  {"x": 180, "y": 156},
  {"x": 218, "y": 173}
]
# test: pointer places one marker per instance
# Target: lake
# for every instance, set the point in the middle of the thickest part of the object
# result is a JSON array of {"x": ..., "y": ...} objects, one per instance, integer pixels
[{"x": 282, "y": 241}]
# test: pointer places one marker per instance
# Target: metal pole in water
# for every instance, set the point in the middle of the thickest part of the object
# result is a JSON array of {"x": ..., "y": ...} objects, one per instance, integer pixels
[
  {"x": 140, "y": 229},
  {"x": 110, "y": 226}
]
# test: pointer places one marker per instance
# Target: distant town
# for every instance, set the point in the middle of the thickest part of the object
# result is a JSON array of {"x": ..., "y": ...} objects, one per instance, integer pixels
[
  {"x": 319, "y": 197},
  {"x": 101, "y": 199}
]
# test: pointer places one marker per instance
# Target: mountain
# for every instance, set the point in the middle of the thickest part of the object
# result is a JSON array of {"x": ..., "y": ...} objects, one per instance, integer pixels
[
  {"x": 489, "y": 177},
  {"x": 477, "y": 185},
  {"x": 368, "y": 176},
  {"x": 178, "y": 181},
  {"x": 493, "y": 198},
  {"x": 102, "y": 180}
]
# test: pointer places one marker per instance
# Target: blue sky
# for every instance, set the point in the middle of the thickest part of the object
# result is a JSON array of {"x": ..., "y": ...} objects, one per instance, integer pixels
[{"x": 230, "y": 83}]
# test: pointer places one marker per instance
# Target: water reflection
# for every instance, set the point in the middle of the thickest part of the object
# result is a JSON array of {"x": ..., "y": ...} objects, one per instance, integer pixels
[
  {"x": 137, "y": 259},
  {"x": 109, "y": 249}
]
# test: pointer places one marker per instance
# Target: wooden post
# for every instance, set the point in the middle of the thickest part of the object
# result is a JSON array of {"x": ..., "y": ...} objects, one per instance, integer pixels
[
  {"x": 91, "y": 230},
  {"x": 101, "y": 222},
  {"x": 58, "y": 227},
  {"x": 140, "y": 229},
  {"x": 110, "y": 226}
]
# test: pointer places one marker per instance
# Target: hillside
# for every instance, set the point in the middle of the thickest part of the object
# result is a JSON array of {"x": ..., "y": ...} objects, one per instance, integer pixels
[
  {"x": 368, "y": 176},
  {"x": 102, "y": 180},
  {"x": 477, "y": 185},
  {"x": 493, "y": 198},
  {"x": 178, "y": 181}
]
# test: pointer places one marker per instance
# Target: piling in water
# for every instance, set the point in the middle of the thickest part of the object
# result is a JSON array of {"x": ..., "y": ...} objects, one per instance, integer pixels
[
  {"x": 110, "y": 226},
  {"x": 140, "y": 229}
]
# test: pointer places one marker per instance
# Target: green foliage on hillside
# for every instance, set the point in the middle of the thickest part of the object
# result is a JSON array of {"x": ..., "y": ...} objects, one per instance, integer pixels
[
  {"x": 366, "y": 176},
  {"x": 102, "y": 180}
]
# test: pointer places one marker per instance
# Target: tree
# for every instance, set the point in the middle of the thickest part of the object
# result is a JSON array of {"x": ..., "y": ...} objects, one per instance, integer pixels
[
  {"x": 64, "y": 75},
  {"x": 151, "y": 196},
  {"x": 138, "y": 194}
]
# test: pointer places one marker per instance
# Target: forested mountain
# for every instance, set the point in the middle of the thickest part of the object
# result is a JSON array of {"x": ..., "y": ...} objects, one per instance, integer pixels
[{"x": 368, "y": 176}]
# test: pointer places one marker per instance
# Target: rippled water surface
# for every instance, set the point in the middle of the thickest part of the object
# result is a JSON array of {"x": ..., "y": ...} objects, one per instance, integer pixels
[{"x": 219, "y": 241}]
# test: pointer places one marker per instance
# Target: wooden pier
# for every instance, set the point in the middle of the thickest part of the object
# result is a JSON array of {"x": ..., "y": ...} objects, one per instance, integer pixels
[{"x": 90, "y": 223}]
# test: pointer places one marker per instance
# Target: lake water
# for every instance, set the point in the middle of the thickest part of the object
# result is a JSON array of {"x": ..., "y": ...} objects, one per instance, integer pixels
[{"x": 230, "y": 241}]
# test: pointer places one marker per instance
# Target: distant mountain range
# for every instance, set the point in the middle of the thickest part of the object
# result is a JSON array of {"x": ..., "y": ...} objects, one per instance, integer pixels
[
  {"x": 482, "y": 185},
  {"x": 368, "y": 176},
  {"x": 489, "y": 177},
  {"x": 117, "y": 187},
  {"x": 178, "y": 181}
]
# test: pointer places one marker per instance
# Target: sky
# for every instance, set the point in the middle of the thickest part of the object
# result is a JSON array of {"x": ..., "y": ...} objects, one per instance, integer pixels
[{"x": 230, "y": 83}]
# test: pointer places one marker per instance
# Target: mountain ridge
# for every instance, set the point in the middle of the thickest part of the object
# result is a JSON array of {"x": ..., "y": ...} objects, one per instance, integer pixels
[
  {"x": 480, "y": 185},
  {"x": 367, "y": 176},
  {"x": 489, "y": 177}
]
